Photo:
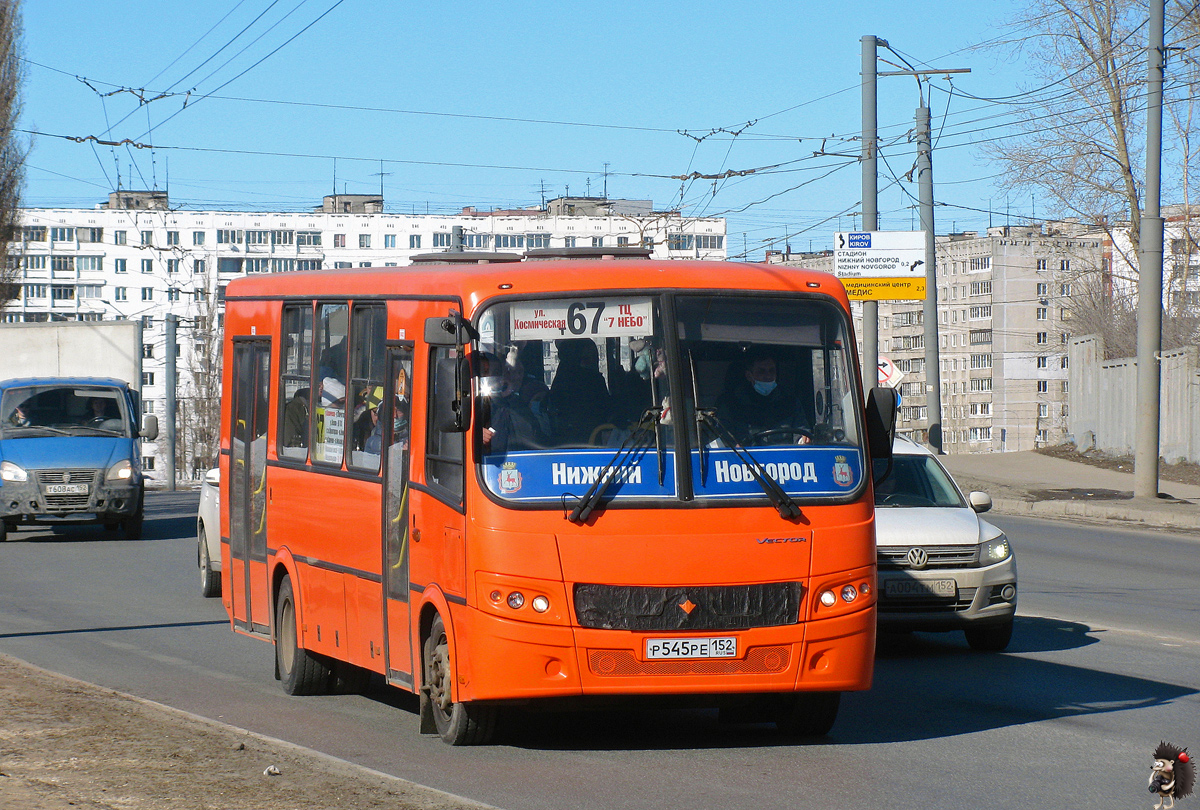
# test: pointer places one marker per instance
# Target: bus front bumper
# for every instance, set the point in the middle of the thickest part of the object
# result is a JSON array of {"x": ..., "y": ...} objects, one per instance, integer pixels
[{"x": 507, "y": 660}]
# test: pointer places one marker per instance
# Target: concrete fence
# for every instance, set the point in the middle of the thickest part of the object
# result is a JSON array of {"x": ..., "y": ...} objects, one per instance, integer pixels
[{"x": 1102, "y": 401}]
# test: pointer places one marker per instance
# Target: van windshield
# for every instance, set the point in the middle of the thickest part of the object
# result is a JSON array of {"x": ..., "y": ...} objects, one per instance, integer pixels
[
  {"x": 569, "y": 390},
  {"x": 58, "y": 410}
]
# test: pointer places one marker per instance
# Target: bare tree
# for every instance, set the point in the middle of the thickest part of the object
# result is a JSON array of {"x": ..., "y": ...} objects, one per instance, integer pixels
[
  {"x": 199, "y": 420},
  {"x": 13, "y": 148},
  {"x": 1076, "y": 140},
  {"x": 1079, "y": 143}
]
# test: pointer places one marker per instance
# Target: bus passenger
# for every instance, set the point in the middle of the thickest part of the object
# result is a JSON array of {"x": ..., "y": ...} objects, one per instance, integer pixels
[
  {"x": 516, "y": 402},
  {"x": 579, "y": 398},
  {"x": 295, "y": 420},
  {"x": 756, "y": 404},
  {"x": 374, "y": 440}
]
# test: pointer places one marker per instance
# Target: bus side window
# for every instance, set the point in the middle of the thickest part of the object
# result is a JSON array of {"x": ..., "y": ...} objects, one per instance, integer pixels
[
  {"x": 444, "y": 450},
  {"x": 329, "y": 401},
  {"x": 295, "y": 381},
  {"x": 368, "y": 327}
]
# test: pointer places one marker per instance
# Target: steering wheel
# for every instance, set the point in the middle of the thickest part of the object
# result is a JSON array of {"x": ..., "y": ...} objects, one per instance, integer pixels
[{"x": 758, "y": 438}]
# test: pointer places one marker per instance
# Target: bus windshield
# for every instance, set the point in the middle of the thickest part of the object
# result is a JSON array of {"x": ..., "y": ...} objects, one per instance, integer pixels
[{"x": 572, "y": 389}]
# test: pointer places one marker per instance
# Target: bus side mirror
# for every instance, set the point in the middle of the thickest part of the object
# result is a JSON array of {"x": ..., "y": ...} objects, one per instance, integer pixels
[
  {"x": 452, "y": 402},
  {"x": 441, "y": 331},
  {"x": 881, "y": 427},
  {"x": 449, "y": 330},
  {"x": 149, "y": 430}
]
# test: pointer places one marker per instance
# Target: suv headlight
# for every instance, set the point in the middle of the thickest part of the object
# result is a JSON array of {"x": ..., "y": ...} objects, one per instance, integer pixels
[
  {"x": 121, "y": 471},
  {"x": 11, "y": 472},
  {"x": 995, "y": 550}
]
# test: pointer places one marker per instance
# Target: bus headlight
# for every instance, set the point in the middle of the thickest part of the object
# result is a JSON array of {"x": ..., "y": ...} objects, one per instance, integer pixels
[
  {"x": 121, "y": 471},
  {"x": 995, "y": 550},
  {"x": 11, "y": 472}
]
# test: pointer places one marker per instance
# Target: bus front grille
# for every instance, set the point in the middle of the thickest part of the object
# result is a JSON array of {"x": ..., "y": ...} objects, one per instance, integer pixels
[
  {"x": 758, "y": 661},
  {"x": 712, "y": 607}
]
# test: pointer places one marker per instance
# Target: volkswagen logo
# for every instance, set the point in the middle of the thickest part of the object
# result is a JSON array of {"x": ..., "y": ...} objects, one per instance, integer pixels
[{"x": 918, "y": 558}]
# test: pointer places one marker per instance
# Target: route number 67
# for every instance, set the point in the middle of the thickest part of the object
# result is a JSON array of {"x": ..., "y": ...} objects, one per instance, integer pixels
[{"x": 577, "y": 320}]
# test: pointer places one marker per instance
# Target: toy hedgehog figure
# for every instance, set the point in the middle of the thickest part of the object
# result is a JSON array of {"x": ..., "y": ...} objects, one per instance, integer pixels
[{"x": 1172, "y": 775}]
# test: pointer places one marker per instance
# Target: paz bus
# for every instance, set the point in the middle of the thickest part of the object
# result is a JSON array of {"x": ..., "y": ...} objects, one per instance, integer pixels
[{"x": 499, "y": 484}]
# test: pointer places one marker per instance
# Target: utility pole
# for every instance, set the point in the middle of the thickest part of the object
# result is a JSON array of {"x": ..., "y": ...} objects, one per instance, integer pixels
[
  {"x": 933, "y": 372},
  {"x": 933, "y": 375},
  {"x": 171, "y": 319},
  {"x": 870, "y": 200},
  {"x": 1150, "y": 268}
]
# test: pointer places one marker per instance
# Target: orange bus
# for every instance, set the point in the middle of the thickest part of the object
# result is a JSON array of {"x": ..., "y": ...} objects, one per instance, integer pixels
[{"x": 501, "y": 483}]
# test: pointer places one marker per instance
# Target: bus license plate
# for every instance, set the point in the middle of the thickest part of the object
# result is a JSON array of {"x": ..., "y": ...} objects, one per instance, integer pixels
[
  {"x": 66, "y": 489},
  {"x": 947, "y": 588},
  {"x": 719, "y": 647}
]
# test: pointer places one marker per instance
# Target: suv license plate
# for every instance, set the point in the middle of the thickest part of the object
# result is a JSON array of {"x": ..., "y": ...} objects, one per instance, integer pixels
[
  {"x": 66, "y": 489},
  {"x": 719, "y": 647},
  {"x": 947, "y": 588}
]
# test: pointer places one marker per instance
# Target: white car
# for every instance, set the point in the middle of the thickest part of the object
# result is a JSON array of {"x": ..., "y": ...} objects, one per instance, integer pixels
[
  {"x": 208, "y": 534},
  {"x": 941, "y": 567}
]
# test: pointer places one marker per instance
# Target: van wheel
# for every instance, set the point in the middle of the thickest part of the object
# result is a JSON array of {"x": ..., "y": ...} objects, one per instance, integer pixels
[
  {"x": 302, "y": 672},
  {"x": 210, "y": 580},
  {"x": 455, "y": 723},
  {"x": 808, "y": 714},
  {"x": 132, "y": 525},
  {"x": 990, "y": 637}
]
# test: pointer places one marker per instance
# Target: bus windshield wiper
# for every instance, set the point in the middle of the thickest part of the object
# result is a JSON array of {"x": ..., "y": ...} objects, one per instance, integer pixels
[
  {"x": 783, "y": 503},
  {"x": 647, "y": 426}
]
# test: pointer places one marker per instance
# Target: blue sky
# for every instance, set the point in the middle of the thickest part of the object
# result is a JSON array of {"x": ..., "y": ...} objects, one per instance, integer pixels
[{"x": 494, "y": 104}]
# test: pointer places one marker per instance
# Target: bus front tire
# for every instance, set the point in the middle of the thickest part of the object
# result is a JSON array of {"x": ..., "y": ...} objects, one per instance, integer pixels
[
  {"x": 456, "y": 723},
  {"x": 808, "y": 714},
  {"x": 302, "y": 672}
]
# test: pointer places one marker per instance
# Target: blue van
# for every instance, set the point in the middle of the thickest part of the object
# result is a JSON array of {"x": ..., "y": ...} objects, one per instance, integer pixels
[{"x": 70, "y": 452}]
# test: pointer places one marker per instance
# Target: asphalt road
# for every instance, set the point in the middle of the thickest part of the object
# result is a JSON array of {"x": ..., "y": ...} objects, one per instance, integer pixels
[{"x": 1105, "y": 662}]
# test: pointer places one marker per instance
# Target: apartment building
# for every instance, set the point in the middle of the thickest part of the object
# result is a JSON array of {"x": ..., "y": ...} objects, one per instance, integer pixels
[
  {"x": 1005, "y": 303},
  {"x": 135, "y": 257}
]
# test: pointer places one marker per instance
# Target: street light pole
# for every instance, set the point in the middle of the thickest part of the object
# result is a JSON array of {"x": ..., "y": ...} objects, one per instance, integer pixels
[
  {"x": 933, "y": 372},
  {"x": 870, "y": 200},
  {"x": 933, "y": 376}
]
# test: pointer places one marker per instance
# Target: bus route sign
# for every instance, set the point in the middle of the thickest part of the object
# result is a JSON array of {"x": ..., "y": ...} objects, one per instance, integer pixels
[{"x": 881, "y": 265}]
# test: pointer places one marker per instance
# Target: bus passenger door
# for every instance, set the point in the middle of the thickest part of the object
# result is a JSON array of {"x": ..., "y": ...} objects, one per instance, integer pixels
[
  {"x": 396, "y": 618},
  {"x": 247, "y": 488}
]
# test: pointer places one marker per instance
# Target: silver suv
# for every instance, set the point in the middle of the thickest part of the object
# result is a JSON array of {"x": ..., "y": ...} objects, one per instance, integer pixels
[{"x": 941, "y": 567}]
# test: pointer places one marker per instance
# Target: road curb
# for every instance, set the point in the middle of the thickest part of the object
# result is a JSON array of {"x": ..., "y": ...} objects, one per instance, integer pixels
[
  {"x": 1165, "y": 516},
  {"x": 415, "y": 788}
]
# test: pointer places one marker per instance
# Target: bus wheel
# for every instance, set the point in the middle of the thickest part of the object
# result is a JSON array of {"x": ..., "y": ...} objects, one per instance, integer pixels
[
  {"x": 455, "y": 723},
  {"x": 809, "y": 714},
  {"x": 302, "y": 672}
]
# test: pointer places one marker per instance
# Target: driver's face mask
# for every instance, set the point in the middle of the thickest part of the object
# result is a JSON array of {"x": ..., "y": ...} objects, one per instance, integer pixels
[{"x": 764, "y": 388}]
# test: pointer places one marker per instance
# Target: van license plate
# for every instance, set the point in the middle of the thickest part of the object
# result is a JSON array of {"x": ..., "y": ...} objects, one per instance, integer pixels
[
  {"x": 947, "y": 588},
  {"x": 719, "y": 647},
  {"x": 66, "y": 489}
]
